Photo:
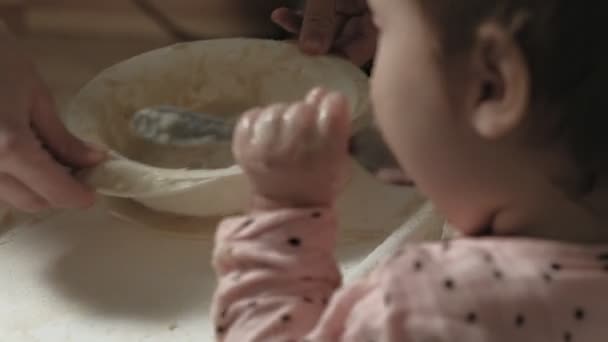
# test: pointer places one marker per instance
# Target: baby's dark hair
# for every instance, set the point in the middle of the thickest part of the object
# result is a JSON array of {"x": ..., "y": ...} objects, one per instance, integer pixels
[{"x": 564, "y": 42}]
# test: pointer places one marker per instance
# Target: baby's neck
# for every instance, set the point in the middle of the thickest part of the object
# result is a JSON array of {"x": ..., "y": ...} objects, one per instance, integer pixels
[
  {"x": 560, "y": 217},
  {"x": 597, "y": 199}
]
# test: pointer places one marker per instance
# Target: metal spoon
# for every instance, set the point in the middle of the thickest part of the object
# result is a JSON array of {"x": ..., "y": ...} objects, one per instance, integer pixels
[{"x": 169, "y": 125}]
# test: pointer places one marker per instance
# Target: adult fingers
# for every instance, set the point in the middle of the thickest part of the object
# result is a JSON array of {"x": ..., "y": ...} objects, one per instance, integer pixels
[
  {"x": 61, "y": 143},
  {"x": 288, "y": 19},
  {"x": 357, "y": 41},
  {"x": 25, "y": 160},
  {"x": 318, "y": 26},
  {"x": 19, "y": 196}
]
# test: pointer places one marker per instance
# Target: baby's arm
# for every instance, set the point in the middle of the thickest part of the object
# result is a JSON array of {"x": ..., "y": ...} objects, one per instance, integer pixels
[
  {"x": 276, "y": 272},
  {"x": 276, "y": 267}
]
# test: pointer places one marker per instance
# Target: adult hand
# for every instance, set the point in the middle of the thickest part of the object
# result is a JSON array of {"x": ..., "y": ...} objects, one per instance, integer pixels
[
  {"x": 37, "y": 153},
  {"x": 344, "y": 27}
]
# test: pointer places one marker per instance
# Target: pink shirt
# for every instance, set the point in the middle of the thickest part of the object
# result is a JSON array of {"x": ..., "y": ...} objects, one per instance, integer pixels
[{"x": 279, "y": 281}]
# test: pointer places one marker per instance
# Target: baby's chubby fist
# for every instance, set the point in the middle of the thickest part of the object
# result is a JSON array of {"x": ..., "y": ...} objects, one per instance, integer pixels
[{"x": 295, "y": 155}]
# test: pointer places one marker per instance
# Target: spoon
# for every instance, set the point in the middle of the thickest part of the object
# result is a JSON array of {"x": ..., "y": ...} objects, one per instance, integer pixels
[
  {"x": 168, "y": 125},
  {"x": 173, "y": 126},
  {"x": 176, "y": 127}
]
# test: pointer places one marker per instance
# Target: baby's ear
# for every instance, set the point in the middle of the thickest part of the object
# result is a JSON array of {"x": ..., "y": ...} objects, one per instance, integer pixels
[{"x": 503, "y": 83}]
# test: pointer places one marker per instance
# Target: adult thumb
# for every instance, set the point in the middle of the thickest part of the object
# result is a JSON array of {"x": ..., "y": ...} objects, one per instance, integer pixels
[
  {"x": 318, "y": 26},
  {"x": 63, "y": 145}
]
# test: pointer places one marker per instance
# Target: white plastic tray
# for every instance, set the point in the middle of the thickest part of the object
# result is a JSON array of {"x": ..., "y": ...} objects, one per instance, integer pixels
[{"x": 87, "y": 276}]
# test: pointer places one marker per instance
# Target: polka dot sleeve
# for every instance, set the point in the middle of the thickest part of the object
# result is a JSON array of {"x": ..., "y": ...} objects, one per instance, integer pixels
[
  {"x": 476, "y": 290},
  {"x": 276, "y": 274}
]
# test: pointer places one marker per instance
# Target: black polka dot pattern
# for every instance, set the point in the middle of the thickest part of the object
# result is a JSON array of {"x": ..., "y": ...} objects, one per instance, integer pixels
[
  {"x": 430, "y": 269},
  {"x": 471, "y": 318},
  {"x": 520, "y": 320},
  {"x": 295, "y": 242},
  {"x": 449, "y": 284}
]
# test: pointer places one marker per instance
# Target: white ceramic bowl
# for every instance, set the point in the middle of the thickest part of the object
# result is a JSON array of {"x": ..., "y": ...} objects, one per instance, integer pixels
[{"x": 224, "y": 76}]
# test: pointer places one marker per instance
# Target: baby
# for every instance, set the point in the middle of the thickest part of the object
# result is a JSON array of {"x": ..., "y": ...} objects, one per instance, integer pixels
[{"x": 496, "y": 110}]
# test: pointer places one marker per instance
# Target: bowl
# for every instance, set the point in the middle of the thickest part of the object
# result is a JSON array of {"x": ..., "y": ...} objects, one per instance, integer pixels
[{"x": 223, "y": 77}]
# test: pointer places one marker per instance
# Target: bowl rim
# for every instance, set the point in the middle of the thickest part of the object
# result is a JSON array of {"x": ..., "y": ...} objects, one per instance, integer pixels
[{"x": 353, "y": 73}]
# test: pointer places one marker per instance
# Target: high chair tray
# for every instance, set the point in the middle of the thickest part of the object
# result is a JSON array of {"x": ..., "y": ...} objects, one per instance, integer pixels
[{"x": 94, "y": 276}]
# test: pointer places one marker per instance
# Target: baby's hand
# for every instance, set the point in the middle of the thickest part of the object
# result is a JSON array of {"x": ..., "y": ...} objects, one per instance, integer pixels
[{"x": 295, "y": 155}]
